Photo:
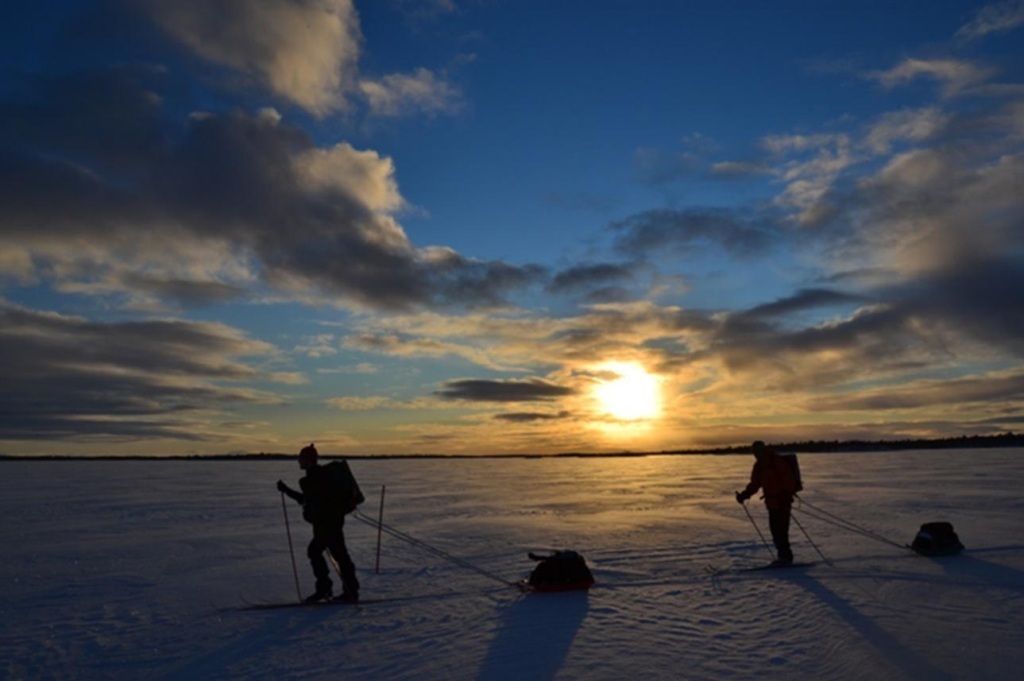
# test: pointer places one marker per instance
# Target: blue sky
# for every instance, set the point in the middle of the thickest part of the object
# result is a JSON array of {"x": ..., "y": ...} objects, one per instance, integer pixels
[{"x": 463, "y": 226}]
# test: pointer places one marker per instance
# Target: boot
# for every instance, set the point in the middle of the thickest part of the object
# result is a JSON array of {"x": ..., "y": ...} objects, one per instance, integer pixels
[
  {"x": 348, "y": 597},
  {"x": 323, "y": 593}
]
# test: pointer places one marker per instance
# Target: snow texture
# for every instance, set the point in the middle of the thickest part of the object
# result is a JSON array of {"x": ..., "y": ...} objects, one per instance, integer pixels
[{"x": 138, "y": 569}]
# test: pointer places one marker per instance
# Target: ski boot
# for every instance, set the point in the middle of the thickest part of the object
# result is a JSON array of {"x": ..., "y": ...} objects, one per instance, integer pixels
[
  {"x": 323, "y": 593},
  {"x": 348, "y": 597}
]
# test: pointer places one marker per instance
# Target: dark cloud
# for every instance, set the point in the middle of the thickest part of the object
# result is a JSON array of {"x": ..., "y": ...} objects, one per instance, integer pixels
[
  {"x": 992, "y": 390},
  {"x": 869, "y": 343},
  {"x": 974, "y": 298},
  {"x": 804, "y": 300},
  {"x": 65, "y": 377},
  {"x": 479, "y": 283},
  {"x": 589, "y": 277},
  {"x": 530, "y": 417},
  {"x": 479, "y": 390},
  {"x": 108, "y": 117},
  {"x": 930, "y": 321},
  {"x": 681, "y": 231},
  {"x": 186, "y": 291},
  {"x": 117, "y": 170}
]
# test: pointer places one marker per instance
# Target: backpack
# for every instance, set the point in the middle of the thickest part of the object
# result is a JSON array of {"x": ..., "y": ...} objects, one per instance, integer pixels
[
  {"x": 561, "y": 571},
  {"x": 794, "y": 469},
  {"x": 345, "y": 488},
  {"x": 937, "y": 539}
]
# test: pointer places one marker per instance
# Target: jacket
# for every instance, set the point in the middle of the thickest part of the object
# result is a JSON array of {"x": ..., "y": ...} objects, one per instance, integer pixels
[
  {"x": 776, "y": 476},
  {"x": 321, "y": 504}
]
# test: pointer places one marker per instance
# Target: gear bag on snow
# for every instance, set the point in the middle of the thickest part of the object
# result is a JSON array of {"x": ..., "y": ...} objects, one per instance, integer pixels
[
  {"x": 345, "y": 487},
  {"x": 937, "y": 539},
  {"x": 561, "y": 571}
]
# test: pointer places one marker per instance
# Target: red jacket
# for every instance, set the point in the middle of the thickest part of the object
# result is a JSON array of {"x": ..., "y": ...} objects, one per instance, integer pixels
[{"x": 777, "y": 477}]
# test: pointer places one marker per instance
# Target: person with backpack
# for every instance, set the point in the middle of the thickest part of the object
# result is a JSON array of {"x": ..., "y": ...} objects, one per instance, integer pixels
[
  {"x": 325, "y": 502},
  {"x": 779, "y": 478}
]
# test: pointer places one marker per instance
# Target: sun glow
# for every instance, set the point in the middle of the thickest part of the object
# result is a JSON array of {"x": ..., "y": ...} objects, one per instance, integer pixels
[{"x": 627, "y": 392}]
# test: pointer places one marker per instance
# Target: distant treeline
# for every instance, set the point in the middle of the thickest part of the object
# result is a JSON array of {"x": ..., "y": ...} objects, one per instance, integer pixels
[
  {"x": 811, "y": 446},
  {"x": 816, "y": 446}
]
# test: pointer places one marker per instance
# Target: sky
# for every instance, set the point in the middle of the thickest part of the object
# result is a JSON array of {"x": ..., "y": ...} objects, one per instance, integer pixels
[{"x": 489, "y": 226}]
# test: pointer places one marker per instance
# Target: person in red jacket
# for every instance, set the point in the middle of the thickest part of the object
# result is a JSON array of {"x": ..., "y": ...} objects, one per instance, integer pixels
[{"x": 777, "y": 477}]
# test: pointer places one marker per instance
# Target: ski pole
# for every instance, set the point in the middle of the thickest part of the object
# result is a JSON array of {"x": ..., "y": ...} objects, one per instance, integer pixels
[
  {"x": 763, "y": 540},
  {"x": 291, "y": 550},
  {"x": 802, "y": 529},
  {"x": 380, "y": 525}
]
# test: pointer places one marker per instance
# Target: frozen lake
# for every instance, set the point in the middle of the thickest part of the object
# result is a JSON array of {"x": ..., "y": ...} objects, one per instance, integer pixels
[{"x": 135, "y": 569}]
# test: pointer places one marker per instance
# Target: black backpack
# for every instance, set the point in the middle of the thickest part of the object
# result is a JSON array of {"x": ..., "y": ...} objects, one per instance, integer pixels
[
  {"x": 937, "y": 539},
  {"x": 346, "y": 489},
  {"x": 794, "y": 468},
  {"x": 561, "y": 571}
]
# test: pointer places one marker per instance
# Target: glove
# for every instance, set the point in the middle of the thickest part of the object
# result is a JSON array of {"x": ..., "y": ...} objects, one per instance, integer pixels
[
  {"x": 741, "y": 497},
  {"x": 281, "y": 487}
]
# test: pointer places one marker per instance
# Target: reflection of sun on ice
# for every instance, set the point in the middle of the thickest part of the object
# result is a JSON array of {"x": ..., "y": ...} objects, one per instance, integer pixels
[{"x": 627, "y": 392}]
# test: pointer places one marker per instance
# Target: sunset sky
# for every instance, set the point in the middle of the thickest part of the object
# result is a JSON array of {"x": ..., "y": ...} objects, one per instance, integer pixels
[{"x": 500, "y": 226}]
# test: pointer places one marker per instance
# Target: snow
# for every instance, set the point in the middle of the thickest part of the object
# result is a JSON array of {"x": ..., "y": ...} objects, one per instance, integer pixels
[{"x": 137, "y": 570}]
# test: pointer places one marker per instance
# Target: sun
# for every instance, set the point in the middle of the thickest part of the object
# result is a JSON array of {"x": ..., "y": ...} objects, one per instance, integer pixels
[{"x": 627, "y": 392}]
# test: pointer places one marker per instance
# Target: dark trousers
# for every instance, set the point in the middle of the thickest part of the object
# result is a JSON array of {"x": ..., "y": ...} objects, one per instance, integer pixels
[
  {"x": 332, "y": 540},
  {"x": 778, "y": 521}
]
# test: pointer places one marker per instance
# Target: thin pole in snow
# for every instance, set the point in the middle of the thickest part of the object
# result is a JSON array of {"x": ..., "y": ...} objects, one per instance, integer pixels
[
  {"x": 291, "y": 550},
  {"x": 380, "y": 524},
  {"x": 763, "y": 540}
]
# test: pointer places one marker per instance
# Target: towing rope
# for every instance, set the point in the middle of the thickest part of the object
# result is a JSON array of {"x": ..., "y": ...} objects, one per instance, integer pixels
[
  {"x": 409, "y": 539},
  {"x": 832, "y": 519}
]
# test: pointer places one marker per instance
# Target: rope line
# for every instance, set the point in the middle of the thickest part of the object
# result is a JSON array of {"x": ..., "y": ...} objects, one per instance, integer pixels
[
  {"x": 409, "y": 539},
  {"x": 832, "y": 519},
  {"x": 816, "y": 548}
]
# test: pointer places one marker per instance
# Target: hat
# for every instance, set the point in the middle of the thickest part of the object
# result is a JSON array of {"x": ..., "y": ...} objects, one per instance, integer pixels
[{"x": 308, "y": 454}]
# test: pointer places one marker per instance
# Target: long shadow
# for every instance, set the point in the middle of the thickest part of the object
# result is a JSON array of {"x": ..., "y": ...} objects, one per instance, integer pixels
[
  {"x": 214, "y": 663},
  {"x": 968, "y": 568},
  {"x": 535, "y": 637},
  {"x": 899, "y": 655}
]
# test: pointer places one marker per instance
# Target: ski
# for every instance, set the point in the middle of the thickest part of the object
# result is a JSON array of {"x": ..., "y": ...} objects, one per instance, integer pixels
[
  {"x": 284, "y": 605},
  {"x": 303, "y": 604},
  {"x": 772, "y": 566},
  {"x": 715, "y": 570}
]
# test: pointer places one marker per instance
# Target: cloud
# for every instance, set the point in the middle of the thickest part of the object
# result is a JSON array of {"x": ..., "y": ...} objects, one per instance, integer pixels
[
  {"x": 909, "y": 125},
  {"x": 512, "y": 390},
  {"x": 304, "y": 52},
  {"x": 994, "y": 18},
  {"x": 955, "y": 76},
  {"x": 807, "y": 299},
  {"x": 202, "y": 208},
  {"x": 809, "y": 180},
  {"x": 358, "y": 403},
  {"x": 406, "y": 345},
  {"x": 992, "y": 390},
  {"x": 738, "y": 169},
  {"x": 683, "y": 230},
  {"x": 530, "y": 417},
  {"x": 400, "y": 94},
  {"x": 67, "y": 377},
  {"x": 584, "y": 277}
]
